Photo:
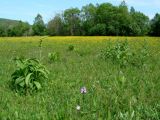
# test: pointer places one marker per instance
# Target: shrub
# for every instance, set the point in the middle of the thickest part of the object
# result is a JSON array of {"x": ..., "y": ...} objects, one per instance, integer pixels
[
  {"x": 122, "y": 54},
  {"x": 28, "y": 76},
  {"x": 119, "y": 53}
]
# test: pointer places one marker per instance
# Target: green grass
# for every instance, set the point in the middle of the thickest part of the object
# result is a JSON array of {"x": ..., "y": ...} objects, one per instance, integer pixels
[{"x": 107, "y": 97}]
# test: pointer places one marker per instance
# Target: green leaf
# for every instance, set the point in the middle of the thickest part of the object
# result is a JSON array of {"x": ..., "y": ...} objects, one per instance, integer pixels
[
  {"x": 22, "y": 84},
  {"x": 27, "y": 80},
  {"x": 43, "y": 73},
  {"x": 19, "y": 80},
  {"x": 20, "y": 63},
  {"x": 38, "y": 85}
]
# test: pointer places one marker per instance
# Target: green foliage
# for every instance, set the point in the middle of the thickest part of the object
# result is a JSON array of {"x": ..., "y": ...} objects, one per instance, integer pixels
[
  {"x": 155, "y": 25},
  {"x": 3, "y": 32},
  {"x": 119, "y": 53},
  {"x": 21, "y": 29},
  {"x": 39, "y": 26},
  {"x": 88, "y": 13},
  {"x": 14, "y": 28},
  {"x": 54, "y": 56},
  {"x": 72, "y": 19},
  {"x": 122, "y": 54},
  {"x": 28, "y": 76},
  {"x": 99, "y": 30},
  {"x": 56, "y": 26},
  {"x": 139, "y": 23}
]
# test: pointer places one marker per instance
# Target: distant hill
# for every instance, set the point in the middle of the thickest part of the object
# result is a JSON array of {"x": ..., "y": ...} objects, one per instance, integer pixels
[
  {"x": 7, "y": 22},
  {"x": 14, "y": 28}
]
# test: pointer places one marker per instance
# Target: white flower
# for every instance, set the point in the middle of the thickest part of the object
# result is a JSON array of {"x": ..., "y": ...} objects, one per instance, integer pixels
[{"x": 78, "y": 107}]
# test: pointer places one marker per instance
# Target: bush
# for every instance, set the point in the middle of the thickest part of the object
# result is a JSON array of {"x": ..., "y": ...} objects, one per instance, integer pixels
[
  {"x": 28, "y": 76},
  {"x": 119, "y": 53},
  {"x": 122, "y": 54}
]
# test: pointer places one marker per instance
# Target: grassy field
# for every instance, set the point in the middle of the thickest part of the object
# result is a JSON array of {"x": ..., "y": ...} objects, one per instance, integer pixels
[{"x": 113, "y": 92}]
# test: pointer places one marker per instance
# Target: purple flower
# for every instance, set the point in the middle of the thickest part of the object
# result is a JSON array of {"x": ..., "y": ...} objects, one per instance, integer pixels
[{"x": 83, "y": 90}]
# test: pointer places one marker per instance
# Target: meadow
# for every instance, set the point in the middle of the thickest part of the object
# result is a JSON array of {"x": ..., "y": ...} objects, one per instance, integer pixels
[{"x": 112, "y": 92}]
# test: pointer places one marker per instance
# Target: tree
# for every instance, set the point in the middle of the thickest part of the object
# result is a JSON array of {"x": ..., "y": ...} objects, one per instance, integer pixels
[
  {"x": 98, "y": 30},
  {"x": 124, "y": 20},
  {"x": 88, "y": 16},
  {"x": 2, "y": 31},
  {"x": 106, "y": 14},
  {"x": 140, "y": 23},
  {"x": 117, "y": 19},
  {"x": 56, "y": 26},
  {"x": 21, "y": 29},
  {"x": 132, "y": 10},
  {"x": 72, "y": 21},
  {"x": 155, "y": 25},
  {"x": 39, "y": 26}
]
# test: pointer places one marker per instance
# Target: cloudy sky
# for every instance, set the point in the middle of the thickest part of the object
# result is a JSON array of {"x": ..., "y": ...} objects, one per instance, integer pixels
[{"x": 26, "y": 10}]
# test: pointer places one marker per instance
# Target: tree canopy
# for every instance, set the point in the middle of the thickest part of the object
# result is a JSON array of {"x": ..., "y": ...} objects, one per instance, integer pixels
[{"x": 38, "y": 26}]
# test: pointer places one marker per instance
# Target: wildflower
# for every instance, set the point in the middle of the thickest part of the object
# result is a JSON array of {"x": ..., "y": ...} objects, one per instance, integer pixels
[
  {"x": 83, "y": 90},
  {"x": 78, "y": 107}
]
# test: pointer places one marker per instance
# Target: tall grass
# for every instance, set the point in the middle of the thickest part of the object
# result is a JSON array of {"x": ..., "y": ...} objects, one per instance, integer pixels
[{"x": 113, "y": 92}]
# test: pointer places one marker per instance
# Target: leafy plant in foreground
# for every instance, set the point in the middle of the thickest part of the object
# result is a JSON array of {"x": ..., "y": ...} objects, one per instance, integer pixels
[{"x": 28, "y": 76}]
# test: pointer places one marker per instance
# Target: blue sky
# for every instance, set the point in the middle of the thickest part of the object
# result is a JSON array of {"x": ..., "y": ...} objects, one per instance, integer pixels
[{"x": 26, "y": 10}]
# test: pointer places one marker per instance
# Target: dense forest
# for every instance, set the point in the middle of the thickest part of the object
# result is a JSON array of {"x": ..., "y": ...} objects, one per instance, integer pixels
[{"x": 91, "y": 20}]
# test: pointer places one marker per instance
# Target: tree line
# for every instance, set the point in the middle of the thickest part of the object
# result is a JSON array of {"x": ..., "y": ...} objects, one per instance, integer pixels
[{"x": 91, "y": 20}]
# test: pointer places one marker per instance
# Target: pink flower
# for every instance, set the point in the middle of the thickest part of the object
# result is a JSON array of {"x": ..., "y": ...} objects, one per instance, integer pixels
[{"x": 83, "y": 90}]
